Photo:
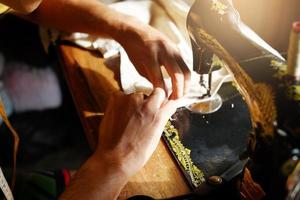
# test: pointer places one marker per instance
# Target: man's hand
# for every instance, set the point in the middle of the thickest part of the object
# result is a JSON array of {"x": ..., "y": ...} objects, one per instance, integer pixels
[
  {"x": 131, "y": 129},
  {"x": 129, "y": 133},
  {"x": 148, "y": 50}
]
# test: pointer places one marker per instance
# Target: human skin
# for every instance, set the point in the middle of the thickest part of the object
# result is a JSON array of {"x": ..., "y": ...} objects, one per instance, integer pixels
[
  {"x": 147, "y": 48},
  {"x": 132, "y": 126},
  {"x": 24, "y": 6},
  {"x": 128, "y": 135}
]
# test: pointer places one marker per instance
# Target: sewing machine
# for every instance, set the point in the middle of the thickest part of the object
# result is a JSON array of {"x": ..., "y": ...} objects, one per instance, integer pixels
[
  {"x": 221, "y": 20},
  {"x": 215, "y": 28}
]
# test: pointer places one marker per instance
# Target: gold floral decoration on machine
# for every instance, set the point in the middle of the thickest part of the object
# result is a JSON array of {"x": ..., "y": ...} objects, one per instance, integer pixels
[
  {"x": 183, "y": 155},
  {"x": 219, "y": 7}
]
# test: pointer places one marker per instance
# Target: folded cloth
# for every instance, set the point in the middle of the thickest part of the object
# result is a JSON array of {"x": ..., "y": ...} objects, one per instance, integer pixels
[{"x": 168, "y": 16}]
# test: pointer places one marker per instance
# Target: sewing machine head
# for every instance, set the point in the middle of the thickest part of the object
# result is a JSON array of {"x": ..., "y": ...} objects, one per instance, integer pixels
[{"x": 221, "y": 20}]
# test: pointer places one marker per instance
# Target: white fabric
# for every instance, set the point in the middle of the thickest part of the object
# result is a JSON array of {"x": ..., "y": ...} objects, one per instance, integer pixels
[{"x": 169, "y": 17}]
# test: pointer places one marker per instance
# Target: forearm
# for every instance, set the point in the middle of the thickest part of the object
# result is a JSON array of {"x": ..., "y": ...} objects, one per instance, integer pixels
[
  {"x": 88, "y": 16},
  {"x": 96, "y": 180}
]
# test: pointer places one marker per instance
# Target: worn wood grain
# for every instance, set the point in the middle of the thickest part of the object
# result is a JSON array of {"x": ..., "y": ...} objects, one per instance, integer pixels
[{"x": 91, "y": 82}]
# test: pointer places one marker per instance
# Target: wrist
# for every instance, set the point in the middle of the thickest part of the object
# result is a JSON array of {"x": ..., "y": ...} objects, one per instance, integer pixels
[
  {"x": 96, "y": 179},
  {"x": 105, "y": 179},
  {"x": 108, "y": 166}
]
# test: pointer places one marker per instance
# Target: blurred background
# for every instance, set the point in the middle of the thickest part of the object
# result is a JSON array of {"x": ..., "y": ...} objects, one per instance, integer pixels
[
  {"x": 50, "y": 133},
  {"x": 271, "y": 19}
]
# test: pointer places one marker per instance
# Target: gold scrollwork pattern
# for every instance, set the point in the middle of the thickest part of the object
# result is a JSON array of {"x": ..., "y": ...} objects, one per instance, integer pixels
[
  {"x": 183, "y": 155},
  {"x": 219, "y": 7},
  {"x": 293, "y": 90},
  {"x": 280, "y": 68}
]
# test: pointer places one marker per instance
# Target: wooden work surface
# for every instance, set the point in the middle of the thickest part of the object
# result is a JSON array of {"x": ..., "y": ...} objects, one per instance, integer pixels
[{"x": 91, "y": 82}]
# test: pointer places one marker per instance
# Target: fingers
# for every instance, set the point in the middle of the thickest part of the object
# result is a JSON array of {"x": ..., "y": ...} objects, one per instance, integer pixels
[
  {"x": 178, "y": 71},
  {"x": 158, "y": 109},
  {"x": 150, "y": 69},
  {"x": 155, "y": 100},
  {"x": 186, "y": 72},
  {"x": 167, "y": 110},
  {"x": 156, "y": 77},
  {"x": 174, "y": 71},
  {"x": 176, "y": 76},
  {"x": 160, "y": 106}
]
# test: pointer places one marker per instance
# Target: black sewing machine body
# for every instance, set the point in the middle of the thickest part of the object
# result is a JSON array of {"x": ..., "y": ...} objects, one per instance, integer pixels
[{"x": 219, "y": 140}]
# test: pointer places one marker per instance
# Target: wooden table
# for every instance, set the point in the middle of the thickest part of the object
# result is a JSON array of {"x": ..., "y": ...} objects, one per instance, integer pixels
[{"x": 91, "y": 82}]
